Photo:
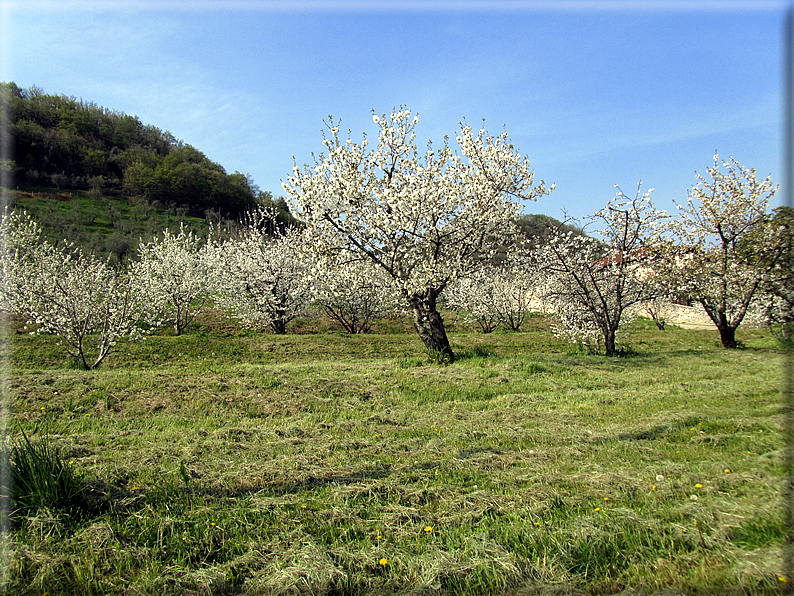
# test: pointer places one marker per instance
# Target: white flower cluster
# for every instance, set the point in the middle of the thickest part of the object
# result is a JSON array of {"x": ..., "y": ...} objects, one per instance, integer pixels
[
  {"x": 351, "y": 291},
  {"x": 20, "y": 241},
  {"x": 88, "y": 304},
  {"x": 493, "y": 295},
  {"x": 727, "y": 247}
]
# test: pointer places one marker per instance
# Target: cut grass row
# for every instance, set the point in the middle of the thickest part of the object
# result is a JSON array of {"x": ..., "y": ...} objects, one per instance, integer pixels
[{"x": 322, "y": 463}]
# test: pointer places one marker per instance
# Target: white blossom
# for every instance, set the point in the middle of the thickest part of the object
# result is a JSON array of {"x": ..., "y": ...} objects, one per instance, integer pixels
[
  {"x": 353, "y": 292},
  {"x": 594, "y": 282},
  {"x": 726, "y": 247},
  {"x": 494, "y": 295},
  {"x": 88, "y": 304}
]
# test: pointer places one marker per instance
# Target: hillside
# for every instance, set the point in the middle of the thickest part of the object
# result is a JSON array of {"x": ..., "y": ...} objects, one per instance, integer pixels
[{"x": 74, "y": 145}]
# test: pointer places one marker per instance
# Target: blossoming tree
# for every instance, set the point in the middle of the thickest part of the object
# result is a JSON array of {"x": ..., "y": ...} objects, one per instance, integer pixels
[
  {"x": 351, "y": 291},
  {"x": 261, "y": 278},
  {"x": 494, "y": 295},
  {"x": 88, "y": 304},
  {"x": 778, "y": 288},
  {"x": 476, "y": 296},
  {"x": 21, "y": 238},
  {"x": 594, "y": 282},
  {"x": 423, "y": 219},
  {"x": 726, "y": 246},
  {"x": 173, "y": 273}
]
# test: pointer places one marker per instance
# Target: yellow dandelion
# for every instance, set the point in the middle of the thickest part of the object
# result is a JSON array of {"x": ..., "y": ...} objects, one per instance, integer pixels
[
  {"x": 598, "y": 508},
  {"x": 303, "y": 506},
  {"x": 783, "y": 579},
  {"x": 537, "y": 523},
  {"x": 71, "y": 462},
  {"x": 42, "y": 407},
  {"x": 212, "y": 523},
  {"x": 653, "y": 487},
  {"x": 698, "y": 485},
  {"x": 606, "y": 498},
  {"x": 383, "y": 562},
  {"x": 428, "y": 529},
  {"x": 727, "y": 470}
]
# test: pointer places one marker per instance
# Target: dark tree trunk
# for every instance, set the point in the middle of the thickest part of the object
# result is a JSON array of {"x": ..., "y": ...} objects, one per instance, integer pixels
[
  {"x": 609, "y": 342},
  {"x": 727, "y": 331},
  {"x": 279, "y": 326},
  {"x": 728, "y": 336},
  {"x": 430, "y": 325}
]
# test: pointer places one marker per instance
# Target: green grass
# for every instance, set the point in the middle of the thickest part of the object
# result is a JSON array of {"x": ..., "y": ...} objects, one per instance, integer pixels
[{"x": 232, "y": 462}]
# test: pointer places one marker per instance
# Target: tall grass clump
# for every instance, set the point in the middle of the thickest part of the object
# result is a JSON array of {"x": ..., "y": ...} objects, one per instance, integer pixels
[{"x": 38, "y": 478}]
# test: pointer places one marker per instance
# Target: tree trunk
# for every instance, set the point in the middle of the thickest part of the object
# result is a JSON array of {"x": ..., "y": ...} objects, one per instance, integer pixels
[
  {"x": 278, "y": 326},
  {"x": 609, "y": 342},
  {"x": 720, "y": 319},
  {"x": 430, "y": 325},
  {"x": 728, "y": 336}
]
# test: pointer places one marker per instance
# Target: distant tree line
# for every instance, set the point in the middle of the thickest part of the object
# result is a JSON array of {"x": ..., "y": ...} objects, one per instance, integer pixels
[{"x": 66, "y": 143}]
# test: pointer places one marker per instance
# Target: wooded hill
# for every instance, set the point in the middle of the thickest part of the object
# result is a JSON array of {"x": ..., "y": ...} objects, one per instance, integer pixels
[{"x": 71, "y": 144}]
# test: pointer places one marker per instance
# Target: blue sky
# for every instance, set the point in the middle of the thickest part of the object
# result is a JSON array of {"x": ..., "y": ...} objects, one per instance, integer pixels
[{"x": 594, "y": 93}]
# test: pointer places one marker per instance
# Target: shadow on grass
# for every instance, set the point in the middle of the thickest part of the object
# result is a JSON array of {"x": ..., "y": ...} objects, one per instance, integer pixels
[{"x": 127, "y": 497}]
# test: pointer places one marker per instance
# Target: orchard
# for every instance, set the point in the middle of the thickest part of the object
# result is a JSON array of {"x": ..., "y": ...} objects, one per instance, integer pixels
[
  {"x": 251, "y": 412},
  {"x": 395, "y": 230}
]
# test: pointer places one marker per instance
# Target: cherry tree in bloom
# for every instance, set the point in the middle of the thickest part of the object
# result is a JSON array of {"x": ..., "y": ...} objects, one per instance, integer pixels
[
  {"x": 173, "y": 273},
  {"x": 353, "y": 292},
  {"x": 261, "y": 278},
  {"x": 777, "y": 298},
  {"x": 522, "y": 289},
  {"x": 494, "y": 295},
  {"x": 477, "y": 297},
  {"x": 595, "y": 283},
  {"x": 88, "y": 304},
  {"x": 21, "y": 239},
  {"x": 659, "y": 309},
  {"x": 726, "y": 247},
  {"x": 424, "y": 218}
]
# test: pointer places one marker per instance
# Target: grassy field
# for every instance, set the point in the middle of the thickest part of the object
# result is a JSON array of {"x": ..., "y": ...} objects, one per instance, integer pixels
[{"x": 224, "y": 462}]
